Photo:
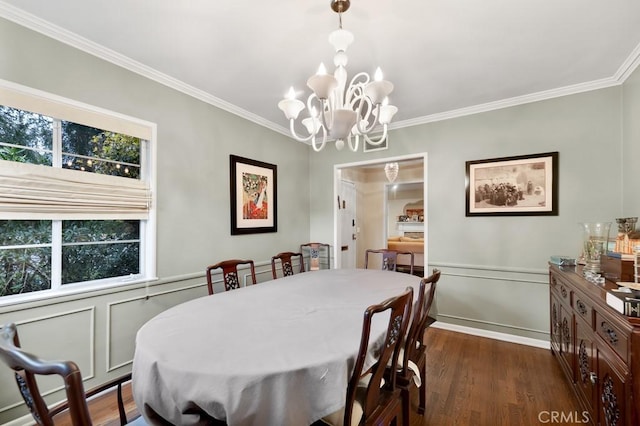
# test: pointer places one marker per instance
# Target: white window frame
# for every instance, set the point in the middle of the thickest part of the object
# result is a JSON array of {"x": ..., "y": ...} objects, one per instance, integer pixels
[{"x": 33, "y": 100}]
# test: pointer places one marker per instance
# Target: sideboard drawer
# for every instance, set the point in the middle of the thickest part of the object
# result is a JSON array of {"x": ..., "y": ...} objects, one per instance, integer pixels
[
  {"x": 615, "y": 338},
  {"x": 561, "y": 289},
  {"x": 583, "y": 308}
]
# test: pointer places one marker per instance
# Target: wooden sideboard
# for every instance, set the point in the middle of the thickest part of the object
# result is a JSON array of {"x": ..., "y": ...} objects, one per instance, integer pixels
[{"x": 597, "y": 347}]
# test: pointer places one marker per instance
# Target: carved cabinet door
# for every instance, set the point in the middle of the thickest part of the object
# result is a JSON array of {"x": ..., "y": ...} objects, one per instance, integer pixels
[
  {"x": 556, "y": 323},
  {"x": 586, "y": 378},
  {"x": 566, "y": 338},
  {"x": 562, "y": 332},
  {"x": 612, "y": 393}
]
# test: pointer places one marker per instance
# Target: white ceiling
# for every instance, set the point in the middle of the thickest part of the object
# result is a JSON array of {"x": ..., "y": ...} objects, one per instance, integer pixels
[{"x": 445, "y": 57}]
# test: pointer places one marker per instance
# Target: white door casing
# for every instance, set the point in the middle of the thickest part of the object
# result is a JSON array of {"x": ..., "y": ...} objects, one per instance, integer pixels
[{"x": 347, "y": 223}]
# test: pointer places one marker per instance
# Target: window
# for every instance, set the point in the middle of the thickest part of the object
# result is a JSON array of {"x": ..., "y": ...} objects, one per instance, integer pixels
[{"x": 76, "y": 208}]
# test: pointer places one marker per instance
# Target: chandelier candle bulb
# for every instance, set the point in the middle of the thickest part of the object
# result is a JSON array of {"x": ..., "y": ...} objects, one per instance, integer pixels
[
  {"x": 290, "y": 105},
  {"x": 322, "y": 83},
  {"x": 378, "y": 89}
]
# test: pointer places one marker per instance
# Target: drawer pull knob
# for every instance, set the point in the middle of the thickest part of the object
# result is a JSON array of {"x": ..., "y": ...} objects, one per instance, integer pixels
[
  {"x": 593, "y": 377},
  {"x": 610, "y": 332},
  {"x": 582, "y": 308}
]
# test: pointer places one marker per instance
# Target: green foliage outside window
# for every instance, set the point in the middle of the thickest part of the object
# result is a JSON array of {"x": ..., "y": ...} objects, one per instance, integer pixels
[
  {"x": 25, "y": 269},
  {"x": 32, "y": 131},
  {"x": 94, "y": 250}
]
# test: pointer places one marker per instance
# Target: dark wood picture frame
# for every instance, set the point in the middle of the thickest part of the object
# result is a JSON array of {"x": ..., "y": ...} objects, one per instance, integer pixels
[
  {"x": 253, "y": 196},
  {"x": 525, "y": 185}
]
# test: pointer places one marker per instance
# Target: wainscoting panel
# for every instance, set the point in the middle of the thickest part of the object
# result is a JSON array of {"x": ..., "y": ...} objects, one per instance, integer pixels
[
  {"x": 63, "y": 335},
  {"x": 125, "y": 317},
  {"x": 493, "y": 298}
]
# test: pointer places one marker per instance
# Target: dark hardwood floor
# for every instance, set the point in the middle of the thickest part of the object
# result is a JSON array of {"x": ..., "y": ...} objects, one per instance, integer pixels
[
  {"x": 471, "y": 381},
  {"x": 479, "y": 381}
]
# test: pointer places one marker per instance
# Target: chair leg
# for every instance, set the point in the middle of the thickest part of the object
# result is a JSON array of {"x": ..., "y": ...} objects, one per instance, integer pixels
[
  {"x": 406, "y": 405},
  {"x": 422, "y": 390}
]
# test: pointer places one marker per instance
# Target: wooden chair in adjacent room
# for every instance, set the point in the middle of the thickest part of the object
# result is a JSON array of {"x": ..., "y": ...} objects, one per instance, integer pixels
[
  {"x": 286, "y": 260},
  {"x": 230, "y": 275},
  {"x": 319, "y": 255},
  {"x": 389, "y": 259},
  {"x": 27, "y": 367},
  {"x": 373, "y": 398},
  {"x": 413, "y": 365}
]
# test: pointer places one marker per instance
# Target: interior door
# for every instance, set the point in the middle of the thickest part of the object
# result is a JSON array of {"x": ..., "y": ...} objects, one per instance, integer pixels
[{"x": 348, "y": 226}]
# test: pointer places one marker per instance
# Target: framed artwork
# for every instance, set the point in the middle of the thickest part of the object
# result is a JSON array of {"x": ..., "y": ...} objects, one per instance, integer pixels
[
  {"x": 253, "y": 196},
  {"x": 525, "y": 185}
]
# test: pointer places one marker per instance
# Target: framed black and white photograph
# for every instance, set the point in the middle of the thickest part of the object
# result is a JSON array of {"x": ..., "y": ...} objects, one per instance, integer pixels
[
  {"x": 524, "y": 185},
  {"x": 253, "y": 196}
]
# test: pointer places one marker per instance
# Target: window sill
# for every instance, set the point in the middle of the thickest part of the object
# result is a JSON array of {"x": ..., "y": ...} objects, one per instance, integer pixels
[{"x": 72, "y": 292}]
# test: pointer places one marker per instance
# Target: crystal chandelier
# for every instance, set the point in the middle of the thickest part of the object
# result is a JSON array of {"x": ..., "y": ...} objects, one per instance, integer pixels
[
  {"x": 341, "y": 112},
  {"x": 391, "y": 171}
]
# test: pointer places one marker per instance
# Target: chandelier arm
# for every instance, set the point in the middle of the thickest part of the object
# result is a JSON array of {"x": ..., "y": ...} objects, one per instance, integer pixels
[
  {"x": 365, "y": 130},
  {"x": 323, "y": 115},
  {"x": 324, "y": 140},
  {"x": 379, "y": 141},
  {"x": 353, "y": 93},
  {"x": 295, "y": 135},
  {"x": 366, "y": 79},
  {"x": 354, "y": 147}
]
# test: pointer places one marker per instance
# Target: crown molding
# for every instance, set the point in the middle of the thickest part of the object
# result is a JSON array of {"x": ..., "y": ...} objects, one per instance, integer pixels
[
  {"x": 510, "y": 102},
  {"x": 628, "y": 66},
  {"x": 69, "y": 38},
  {"x": 34, "y": 23}
]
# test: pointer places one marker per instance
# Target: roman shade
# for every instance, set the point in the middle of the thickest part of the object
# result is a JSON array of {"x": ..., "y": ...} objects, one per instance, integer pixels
[{"x": 30, "y": 191}]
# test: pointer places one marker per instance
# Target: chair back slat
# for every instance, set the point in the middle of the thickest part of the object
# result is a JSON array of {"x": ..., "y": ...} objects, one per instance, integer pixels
[
  {"x": 286, "y": 260},
  {"x": 414, "y": 344},
  {"x": 389, "y": 258},
  {"x": 230, "y": 277}
]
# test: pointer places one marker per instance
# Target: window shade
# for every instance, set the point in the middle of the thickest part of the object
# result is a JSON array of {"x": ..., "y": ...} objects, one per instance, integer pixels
[{"x": 29, "y": 191}]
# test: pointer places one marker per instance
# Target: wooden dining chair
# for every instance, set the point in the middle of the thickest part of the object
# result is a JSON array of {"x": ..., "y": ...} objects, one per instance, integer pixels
[
  {"x": 230, "y": 273},
  {"x": 27, "y": 367},
  {"x": 286, "y": 259},
  {"x": 316, "y": 251},
  {"x": 412, "y": 367},
  {"x": 389, "y": 258},
  {"x": 372, "y": 397}
]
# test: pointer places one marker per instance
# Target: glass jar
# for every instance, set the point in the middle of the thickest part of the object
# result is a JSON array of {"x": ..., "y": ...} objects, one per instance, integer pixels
[{"x": 595, "y": 241}]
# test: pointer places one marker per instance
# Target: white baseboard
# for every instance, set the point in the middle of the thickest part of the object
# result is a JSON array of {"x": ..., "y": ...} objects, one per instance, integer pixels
[{"x": 493, "y": 335}]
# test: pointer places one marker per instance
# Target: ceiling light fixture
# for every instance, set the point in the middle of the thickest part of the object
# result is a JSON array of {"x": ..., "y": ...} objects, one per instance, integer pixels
[
  {"x": 391, "y": 171},
  {"x": 345, "y": 112}
]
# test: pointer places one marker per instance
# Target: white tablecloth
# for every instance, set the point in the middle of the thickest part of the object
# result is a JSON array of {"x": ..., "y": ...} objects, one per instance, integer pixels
[{"x": 276, "y": 353}]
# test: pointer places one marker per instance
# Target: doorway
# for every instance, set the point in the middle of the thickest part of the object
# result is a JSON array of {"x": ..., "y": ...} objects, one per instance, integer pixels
[{"x": 370, "y": 228}]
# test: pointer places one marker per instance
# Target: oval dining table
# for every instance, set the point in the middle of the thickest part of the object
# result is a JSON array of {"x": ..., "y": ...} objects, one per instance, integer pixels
[{"x": 276, "y": 353}]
